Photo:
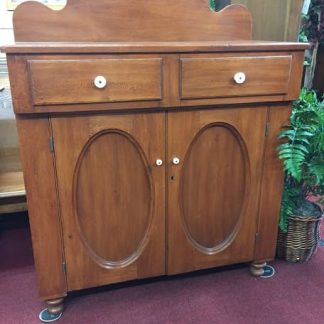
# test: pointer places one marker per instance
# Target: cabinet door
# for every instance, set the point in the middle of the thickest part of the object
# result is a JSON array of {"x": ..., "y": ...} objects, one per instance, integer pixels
[
  {"x": 213, "y": 191},
  {"x": 112, "y": 196}
]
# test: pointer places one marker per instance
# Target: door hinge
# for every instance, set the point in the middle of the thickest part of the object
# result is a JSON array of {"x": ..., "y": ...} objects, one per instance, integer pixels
[
  {"x": 257, "y": 237},
  {"x": 51, "y": 144},
  {"x": 266, "y": 130},
  {"x": 64, "y": 267}
]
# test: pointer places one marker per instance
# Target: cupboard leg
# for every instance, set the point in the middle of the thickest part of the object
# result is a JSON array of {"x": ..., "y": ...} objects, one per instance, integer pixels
[
  {"x": 53, "y": 311},
  {"x": 262, "y": 270},
  {"x": 256, "y": 268},
  {"x": 55, "y": 306}
]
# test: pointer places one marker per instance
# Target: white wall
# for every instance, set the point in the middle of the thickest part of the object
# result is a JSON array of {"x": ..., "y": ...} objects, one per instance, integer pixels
[
  {"x": 6, "y": 37},
  {"x": 6, "y": 32}
]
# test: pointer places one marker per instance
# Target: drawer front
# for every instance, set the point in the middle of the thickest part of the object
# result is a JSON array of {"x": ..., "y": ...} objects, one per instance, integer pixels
[
  {"x": 95, "y": 80},
  {"x": 234, "y": 76}
]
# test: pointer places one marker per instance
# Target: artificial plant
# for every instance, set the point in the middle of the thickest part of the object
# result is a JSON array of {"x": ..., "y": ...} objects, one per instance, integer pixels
[
  {"x": 212, "y": 4},
  {"x": 303, "y": 155}
]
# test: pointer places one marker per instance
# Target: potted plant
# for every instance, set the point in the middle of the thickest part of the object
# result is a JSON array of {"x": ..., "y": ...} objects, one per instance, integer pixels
[{"x": 302, "y": 153}]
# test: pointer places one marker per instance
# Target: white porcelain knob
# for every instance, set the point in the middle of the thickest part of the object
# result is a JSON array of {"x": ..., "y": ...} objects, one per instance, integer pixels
[
  {"x": 175, "y": 161},
  {"x": 239, "y": 77},
  {"x": 158, "y": 162},
  {"x": 100, "y": 82}
]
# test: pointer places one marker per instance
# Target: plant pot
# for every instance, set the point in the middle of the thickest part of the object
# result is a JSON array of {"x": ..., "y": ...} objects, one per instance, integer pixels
[{"x": 301, "y": 240}]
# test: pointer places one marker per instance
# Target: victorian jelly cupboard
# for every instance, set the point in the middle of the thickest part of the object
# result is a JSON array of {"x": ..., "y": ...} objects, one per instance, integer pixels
[{"x": 148, "y": 138}]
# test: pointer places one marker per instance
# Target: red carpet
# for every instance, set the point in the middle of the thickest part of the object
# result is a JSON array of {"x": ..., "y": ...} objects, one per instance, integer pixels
[{"x": 226, "y": 296}]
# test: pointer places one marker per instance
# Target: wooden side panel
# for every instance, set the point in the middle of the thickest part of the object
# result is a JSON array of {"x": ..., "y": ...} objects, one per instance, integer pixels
[
  {"x": 39, "y": 176},
  {"x": 272, "y": 185},
  {"x": 123, "y": 20}
]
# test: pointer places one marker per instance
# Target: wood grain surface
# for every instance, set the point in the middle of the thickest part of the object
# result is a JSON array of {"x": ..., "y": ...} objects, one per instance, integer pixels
[
  {"x": 112, "y": 196},
  {"x": 72, "y": 81},
  {"x": 215, "y": 196},
  {"x": 101, "y": 209},
  {"x": 151, "y": 47},
  {"x": 209, "y": 77},
  {"x": 272, "y": 186},
  {"x": 123, "y": 20},
  {"x": 43, "y": 206},
  {"x": 139, "y": 88}
]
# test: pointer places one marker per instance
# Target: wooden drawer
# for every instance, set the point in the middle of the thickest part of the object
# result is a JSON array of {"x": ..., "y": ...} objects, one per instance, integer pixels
[
  {"x": 74, "y": 81},
  {"x": 213, "y": 77}
]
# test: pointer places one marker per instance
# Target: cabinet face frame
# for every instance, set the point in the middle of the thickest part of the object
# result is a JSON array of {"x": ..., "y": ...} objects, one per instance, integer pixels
[{"x": 170, "y": 81}]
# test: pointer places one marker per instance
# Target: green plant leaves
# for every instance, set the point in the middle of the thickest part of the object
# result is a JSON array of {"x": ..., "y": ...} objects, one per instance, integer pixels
[
  {"x": 212, "y": 4},
  {"x": 289, "y": 203},
  {"x": 302, "y": 153},
  {"x": 295, "y": 150}
]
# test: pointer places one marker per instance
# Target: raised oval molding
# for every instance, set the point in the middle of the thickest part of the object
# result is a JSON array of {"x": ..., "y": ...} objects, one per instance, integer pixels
[
  {"x": 116, "y": 154},
  {"x": 212, "y": 229}
]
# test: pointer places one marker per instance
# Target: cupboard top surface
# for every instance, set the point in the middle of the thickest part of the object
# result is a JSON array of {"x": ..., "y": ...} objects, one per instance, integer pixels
[{"x": 152, "y": 47}]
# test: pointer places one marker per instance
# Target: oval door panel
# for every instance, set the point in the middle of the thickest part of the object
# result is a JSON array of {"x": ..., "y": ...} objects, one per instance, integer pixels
[
  {"x": 213, "y": 187},
  {"x": 113, "y": 198}
]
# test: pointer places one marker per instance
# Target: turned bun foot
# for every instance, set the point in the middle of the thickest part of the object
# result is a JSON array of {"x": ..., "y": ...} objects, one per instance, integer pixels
[
  {"x": 55, "y": 306},
  {"x": 256, "y": 268},
  {"x": 53, "y": 311}
]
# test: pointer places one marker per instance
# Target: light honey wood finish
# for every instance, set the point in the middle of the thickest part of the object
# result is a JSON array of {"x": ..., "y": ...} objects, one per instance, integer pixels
[
  {"x": 13, "y": 205},
  {"x": 9, "y": 147},
  {"x": 11, "y": 185},
  {"x": 12, "y": 192},
  {"x": 168, "y": 168},
  {"x": 12, "y": 189}
]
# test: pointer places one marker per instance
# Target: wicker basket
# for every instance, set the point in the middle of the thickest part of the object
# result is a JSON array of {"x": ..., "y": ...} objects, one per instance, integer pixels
[{"x": 301, "y": 240}]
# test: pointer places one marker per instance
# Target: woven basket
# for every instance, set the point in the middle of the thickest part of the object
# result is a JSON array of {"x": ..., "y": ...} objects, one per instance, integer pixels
[{"x": 301, "y": 240}]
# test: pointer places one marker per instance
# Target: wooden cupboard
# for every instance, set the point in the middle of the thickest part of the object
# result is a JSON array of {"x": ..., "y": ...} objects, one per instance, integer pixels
[{"x": 151, "y": 152}]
